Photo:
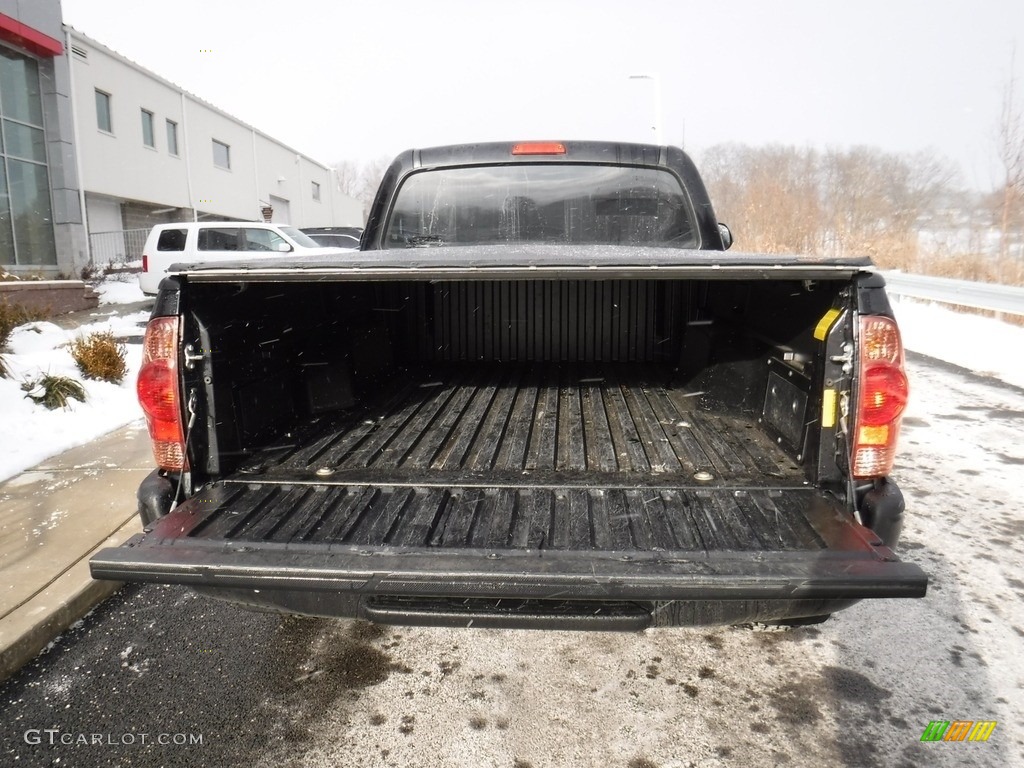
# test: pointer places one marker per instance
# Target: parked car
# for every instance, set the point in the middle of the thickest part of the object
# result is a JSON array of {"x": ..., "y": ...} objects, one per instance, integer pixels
[
  {"x": 209, "y": 241},
  {"x": 329, "y": 240},
  {"x": 335, "y": 237}
]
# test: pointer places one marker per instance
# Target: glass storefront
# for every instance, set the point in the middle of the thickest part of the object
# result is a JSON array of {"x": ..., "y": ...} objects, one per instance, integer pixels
[{"x": 26, "y": 219}]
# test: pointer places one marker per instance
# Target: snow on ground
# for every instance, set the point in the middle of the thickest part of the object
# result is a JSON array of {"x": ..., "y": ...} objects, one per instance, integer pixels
[
  {"x": 981, "y": 344},
  {"x": 120, "y": 292},
  {"x": 31, "y": 432}
]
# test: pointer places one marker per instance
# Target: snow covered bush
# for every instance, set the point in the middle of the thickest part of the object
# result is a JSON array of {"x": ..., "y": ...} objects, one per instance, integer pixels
[{"x": 53, "y": 391}]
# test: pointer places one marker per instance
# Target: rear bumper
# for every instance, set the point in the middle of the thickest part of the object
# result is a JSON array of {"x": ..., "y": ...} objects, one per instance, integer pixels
[
  {"x": 497, "y": 613},
  {"x": 573, "y": 558},
  {"x": 517, "y": 574},
  {"x": 520, "y": 589}
]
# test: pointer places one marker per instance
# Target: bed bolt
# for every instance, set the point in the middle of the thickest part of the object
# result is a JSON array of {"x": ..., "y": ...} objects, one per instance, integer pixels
[{"x": 703, "y": 476}]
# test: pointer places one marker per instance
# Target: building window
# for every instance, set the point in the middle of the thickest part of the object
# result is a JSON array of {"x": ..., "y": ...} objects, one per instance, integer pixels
[
  {"x": 26, "y": 220},
  {"x": 103, "y": 121},
  {"x": 221, "y": 155},
  {"x": 147, "y": 129},
  {"x": 316, "y": 191},
  {"x": 172, "y": 137}
]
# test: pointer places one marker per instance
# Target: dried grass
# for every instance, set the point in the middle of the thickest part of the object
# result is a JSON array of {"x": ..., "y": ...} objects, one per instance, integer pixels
[{"x": 100, "y": 356}]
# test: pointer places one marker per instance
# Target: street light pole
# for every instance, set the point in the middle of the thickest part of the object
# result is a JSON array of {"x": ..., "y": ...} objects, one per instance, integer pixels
[{"x": 656, "y": 81}]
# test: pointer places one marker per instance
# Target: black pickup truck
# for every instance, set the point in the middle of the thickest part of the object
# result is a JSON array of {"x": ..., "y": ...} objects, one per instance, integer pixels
[{"x": 542, "y": 394}]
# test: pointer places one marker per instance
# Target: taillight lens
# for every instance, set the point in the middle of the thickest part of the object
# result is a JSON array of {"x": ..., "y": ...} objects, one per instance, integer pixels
[
  {"x": 157, "y": 388},
  {"x": 145, "y": 262},
  {"x": 882, "y": 399}
]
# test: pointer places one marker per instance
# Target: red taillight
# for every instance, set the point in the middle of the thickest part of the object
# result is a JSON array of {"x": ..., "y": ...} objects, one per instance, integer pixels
[
  {"x": 157, "y": 388},
  {"x": 145, "y": 263},
  {"x": 539, "y": 148},
  {"x": 883, "y": 396}
]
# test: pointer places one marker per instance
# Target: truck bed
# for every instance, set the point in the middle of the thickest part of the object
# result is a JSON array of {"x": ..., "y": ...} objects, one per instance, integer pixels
[
  {"x": 533, "y": 424},
  {"x": 562, "y": 457},
  {"x": 589, "y": 482}
]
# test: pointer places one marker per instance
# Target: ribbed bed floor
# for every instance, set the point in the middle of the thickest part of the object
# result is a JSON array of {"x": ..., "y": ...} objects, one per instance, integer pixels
[
  {"x": 552, "y": 425},
  {"x": 605, "y": 519},
  {"x": 561, "y": 458}
]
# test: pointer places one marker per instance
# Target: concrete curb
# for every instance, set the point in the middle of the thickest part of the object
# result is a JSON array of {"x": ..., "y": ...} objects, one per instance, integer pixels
[{"x": 33, "y": 625}]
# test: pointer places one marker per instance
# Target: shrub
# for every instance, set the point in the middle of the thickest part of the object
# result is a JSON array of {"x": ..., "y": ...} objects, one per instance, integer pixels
[
  {"x": 53, "y": 391},
  {"x": 13, "y": 315},
  {"x": 100, "y": 356},
  {"x": 9, "y": 320}
]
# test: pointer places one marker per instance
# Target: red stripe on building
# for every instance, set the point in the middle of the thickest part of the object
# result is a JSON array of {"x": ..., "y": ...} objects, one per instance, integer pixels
[{"x": 32, "y": 40}]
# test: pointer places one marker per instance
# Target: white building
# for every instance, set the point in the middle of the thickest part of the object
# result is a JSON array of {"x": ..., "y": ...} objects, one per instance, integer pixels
[
  {"x": 149, "y": 153},
  {"x": 40, "y": 213},
  {"x": 84, "y": 130}
]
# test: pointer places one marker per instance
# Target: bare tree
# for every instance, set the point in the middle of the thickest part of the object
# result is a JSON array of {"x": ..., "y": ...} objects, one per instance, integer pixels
[
  {"x": 360, "y": 180},
  {"x": 859, "y": 201},
  {"x": 767, "y": 195},
  {"x": 1010, "y": 148},
  {"x": 876, "y": 202},
  {"x": 347, "y": 174}
]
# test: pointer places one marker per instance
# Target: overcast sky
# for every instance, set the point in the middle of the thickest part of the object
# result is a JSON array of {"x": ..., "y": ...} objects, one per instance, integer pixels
[{"x": 356, "y": 80}]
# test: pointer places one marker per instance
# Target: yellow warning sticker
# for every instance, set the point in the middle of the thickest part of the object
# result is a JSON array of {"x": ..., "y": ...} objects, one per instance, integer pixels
[
  {"x": 821, "y": 331},
  {"x": 828, "y": 409}
]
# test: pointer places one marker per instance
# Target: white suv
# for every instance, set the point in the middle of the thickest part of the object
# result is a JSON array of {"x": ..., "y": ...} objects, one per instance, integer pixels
[{"x": 186, "y": 242}]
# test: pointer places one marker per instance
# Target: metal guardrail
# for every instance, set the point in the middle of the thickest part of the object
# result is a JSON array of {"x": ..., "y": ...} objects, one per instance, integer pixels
[
  {"x": 117, "y": 247},
  {"x": 990, "y": 296}
]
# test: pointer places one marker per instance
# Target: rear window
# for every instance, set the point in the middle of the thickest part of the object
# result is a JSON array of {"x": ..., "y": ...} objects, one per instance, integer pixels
[
  {"x": 541, "y": 203},
  {"x": 171, "y": 240}
]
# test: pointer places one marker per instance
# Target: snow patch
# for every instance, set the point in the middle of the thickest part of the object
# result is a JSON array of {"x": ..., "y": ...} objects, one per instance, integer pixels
[
  {"x": 42, "y": 348},
  {"x": 981, "y": 344},
  {"x": 115, "y": 292}
]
